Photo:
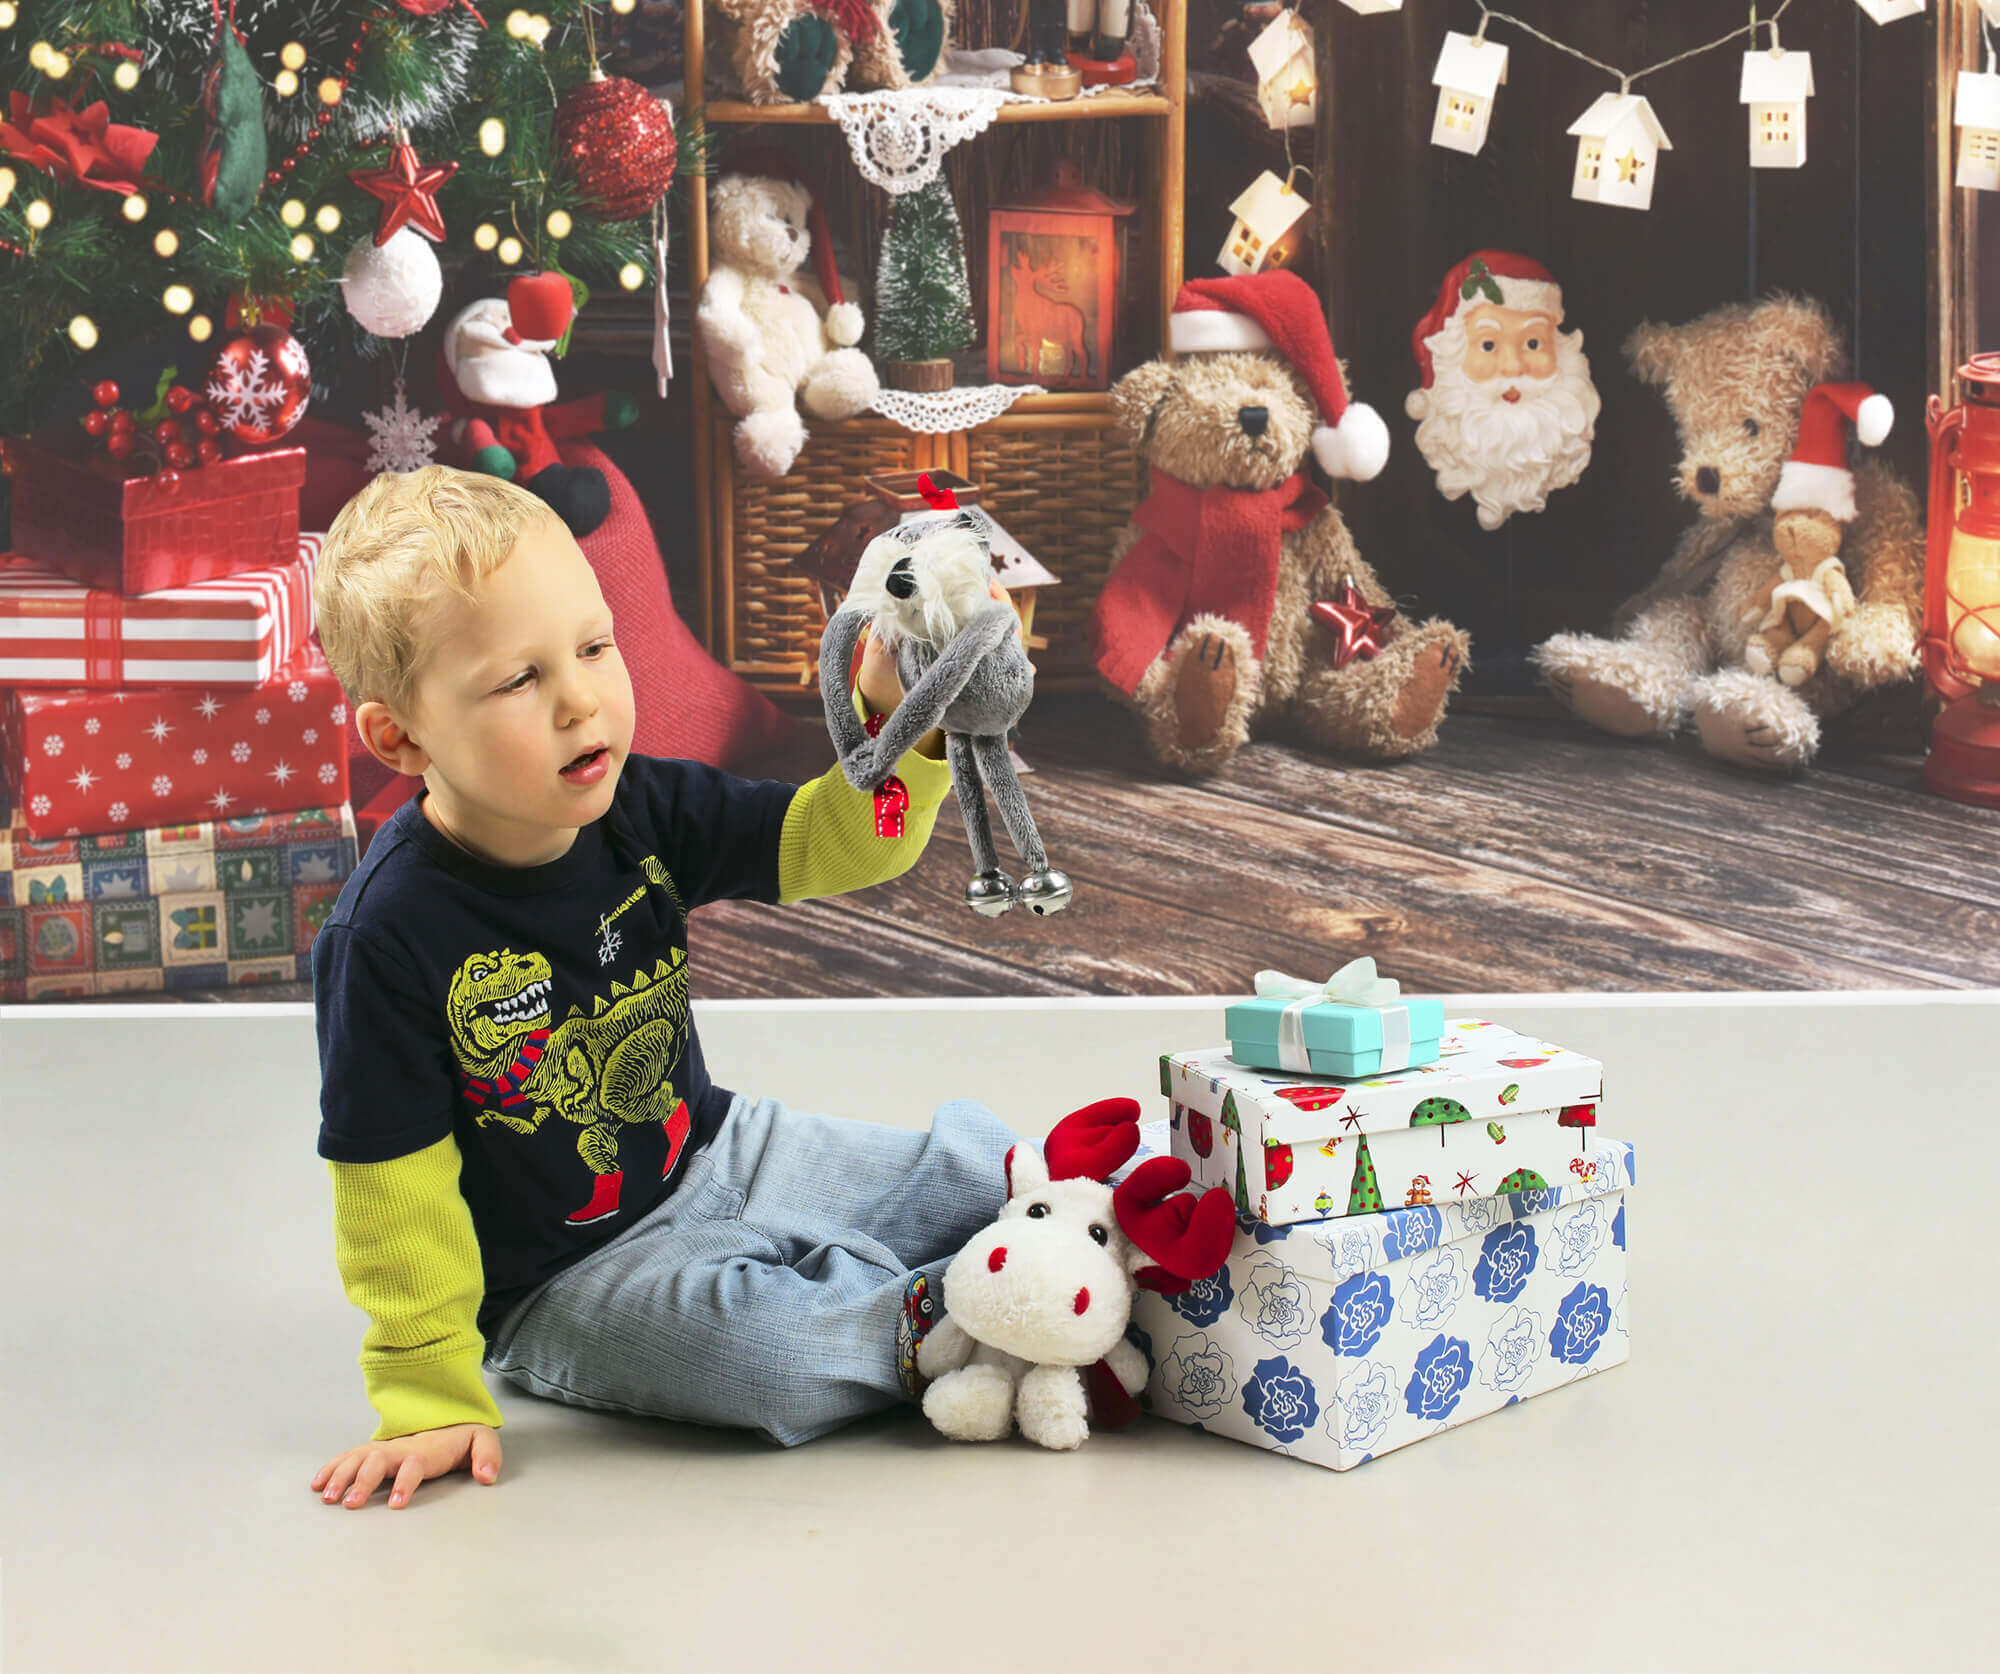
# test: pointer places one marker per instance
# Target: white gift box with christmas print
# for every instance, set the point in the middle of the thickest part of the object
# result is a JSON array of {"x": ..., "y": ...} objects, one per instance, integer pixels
[
  {"x": 1338, "y": 1341},
  {"x": 1498, "y": 1111}
]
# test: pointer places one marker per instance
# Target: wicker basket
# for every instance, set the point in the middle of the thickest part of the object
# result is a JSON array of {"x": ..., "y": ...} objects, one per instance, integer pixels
[
  {"x": 1063, "y": 493},
  {"x": 1063, "y": 484},
  {"x": 774, "y": 619}
]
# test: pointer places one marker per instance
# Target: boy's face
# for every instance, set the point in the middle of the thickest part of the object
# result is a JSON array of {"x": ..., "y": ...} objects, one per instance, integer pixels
[{"x": 523, "y": 712}]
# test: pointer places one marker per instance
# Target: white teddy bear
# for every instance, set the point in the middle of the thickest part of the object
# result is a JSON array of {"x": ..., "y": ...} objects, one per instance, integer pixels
[
  {"x": 1037, "y": 1304},
  {"x": 768, "y": 331}
]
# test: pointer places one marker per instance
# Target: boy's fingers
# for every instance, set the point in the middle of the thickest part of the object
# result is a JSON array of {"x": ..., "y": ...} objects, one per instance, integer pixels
[
  {"x": 407, "y": 1480},
  {"x": 373, "y": 1469},
  {"x": 485, "y": 1456},
  {"x": 342, "y": 1474}
]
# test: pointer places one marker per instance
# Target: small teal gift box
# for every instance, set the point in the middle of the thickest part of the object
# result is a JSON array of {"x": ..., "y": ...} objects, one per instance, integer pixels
[{"x": 1353, "y": 1024}]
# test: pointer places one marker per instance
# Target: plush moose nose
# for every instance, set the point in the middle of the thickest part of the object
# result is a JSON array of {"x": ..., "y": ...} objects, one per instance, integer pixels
[
  {"x": 1253, "y": 419},
  {"x": 1707, "y": 480},
  {"x": 1082, "y": 1300},
  {"x": 997, "y": 1260},
  {"x": 900, "y": 583}
]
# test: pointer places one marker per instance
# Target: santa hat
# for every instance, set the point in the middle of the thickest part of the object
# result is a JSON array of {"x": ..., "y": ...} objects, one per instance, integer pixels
[
  {"x": 1278, "y": 311},
  {"x": 1520, "y": 282},
  {"x": 1816, "y": 477},
  {"x": 772, "y": 164}
]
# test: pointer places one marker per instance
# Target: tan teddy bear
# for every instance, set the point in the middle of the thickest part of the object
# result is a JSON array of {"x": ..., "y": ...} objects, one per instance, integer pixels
[
  {"x": 1238, "y": 600},
  {"x": 1799, "y": 585}
]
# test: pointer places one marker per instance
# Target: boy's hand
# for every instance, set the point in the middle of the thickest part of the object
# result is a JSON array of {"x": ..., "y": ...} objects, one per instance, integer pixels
[
  {"x": 413, "y": 1459},
  {"x": 882, "y": 688}
]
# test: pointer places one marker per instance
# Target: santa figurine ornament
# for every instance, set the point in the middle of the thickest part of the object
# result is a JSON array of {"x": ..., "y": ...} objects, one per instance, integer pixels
[
  {"x": 1507, "y": 410},
  {"x": 494, "y": 375},
  {"x": 1809, "y": 594}
]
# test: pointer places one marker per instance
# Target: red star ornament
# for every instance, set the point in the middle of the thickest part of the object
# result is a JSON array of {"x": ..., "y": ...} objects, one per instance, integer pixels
[
  {"x": 408, "y": 191},
  {"x": 1355, "y": 624}
]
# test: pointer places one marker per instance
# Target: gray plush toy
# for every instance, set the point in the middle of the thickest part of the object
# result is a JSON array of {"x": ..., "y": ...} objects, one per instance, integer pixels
[{"x": 922, "y": 589}]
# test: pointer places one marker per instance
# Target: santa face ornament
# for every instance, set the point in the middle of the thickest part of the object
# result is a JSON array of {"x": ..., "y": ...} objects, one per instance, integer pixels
[{"x": 1507, "y": 410}]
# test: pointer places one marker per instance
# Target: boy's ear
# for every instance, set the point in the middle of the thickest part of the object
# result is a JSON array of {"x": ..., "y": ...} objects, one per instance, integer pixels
[{"x": 386, "y": 740}]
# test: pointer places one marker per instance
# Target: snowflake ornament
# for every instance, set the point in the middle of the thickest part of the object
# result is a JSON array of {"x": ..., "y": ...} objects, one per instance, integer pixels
[
  {"x": 93, "y": 726},
  {"x": 118, "y": 813},
  {"x": 244, "y": 393},
  {"x": 40, "y": 805},
  {"x": 124, "y": 760},
  {"x": 402, "y": 436},
  {"x": 310, "y": 735},
  {"x": 52, "y": 745},
  {"x": 296, "y": 691},
  {"x": 263, "y": 717},
  {"x": 163, "y": 786},
  {"x": 328, "y": 773}
]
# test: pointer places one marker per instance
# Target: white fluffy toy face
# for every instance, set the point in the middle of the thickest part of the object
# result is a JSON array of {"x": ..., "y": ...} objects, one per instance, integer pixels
[
  {"x": 1051, "y": 1279},
  {"x": 922, "y": 581},
  {"x": 759, "y": 224}
]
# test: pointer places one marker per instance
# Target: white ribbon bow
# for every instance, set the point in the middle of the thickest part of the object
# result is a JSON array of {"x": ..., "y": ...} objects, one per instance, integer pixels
[{"x": 1354, "y": 984}]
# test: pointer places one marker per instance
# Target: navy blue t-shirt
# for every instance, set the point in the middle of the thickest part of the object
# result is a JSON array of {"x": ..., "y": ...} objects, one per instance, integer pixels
[{"x": 539, "y": 1013}]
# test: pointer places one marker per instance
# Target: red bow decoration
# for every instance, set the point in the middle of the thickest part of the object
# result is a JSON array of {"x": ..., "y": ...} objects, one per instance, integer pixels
[
  {"x": 892, "y": 796},
  {"x": 1355, "y": 624},
  {"x": 938, "y": 499},
  {"x": 80, "y": 147}
]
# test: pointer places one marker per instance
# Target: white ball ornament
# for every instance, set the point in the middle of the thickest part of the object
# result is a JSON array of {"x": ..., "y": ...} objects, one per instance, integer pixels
[{"x": 393, "y": 289}]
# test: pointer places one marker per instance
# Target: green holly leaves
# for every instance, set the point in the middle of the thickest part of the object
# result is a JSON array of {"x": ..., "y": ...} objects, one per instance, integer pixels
[{"x": 1479, "y": 281}]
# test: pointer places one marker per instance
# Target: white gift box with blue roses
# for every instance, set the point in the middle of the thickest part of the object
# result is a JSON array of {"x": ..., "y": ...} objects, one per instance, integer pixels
[
  {"x": 1337, "y": 1341},
  {"x": 1499, "y": 1111}
]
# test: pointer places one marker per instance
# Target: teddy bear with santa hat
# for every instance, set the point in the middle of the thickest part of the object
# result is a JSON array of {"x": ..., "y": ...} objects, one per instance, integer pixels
[{"x": 494, "y": 374}]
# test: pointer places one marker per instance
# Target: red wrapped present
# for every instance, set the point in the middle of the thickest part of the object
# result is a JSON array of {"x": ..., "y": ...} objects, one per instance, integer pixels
[
  {"x": 238, "y": 631},
  {"x": 163, "y": 755},
  {"x": 92, "y": 519}
]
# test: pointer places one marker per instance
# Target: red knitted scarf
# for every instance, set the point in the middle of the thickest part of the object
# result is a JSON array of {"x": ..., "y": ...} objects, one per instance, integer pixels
[{"x": 1203, "y": 551}]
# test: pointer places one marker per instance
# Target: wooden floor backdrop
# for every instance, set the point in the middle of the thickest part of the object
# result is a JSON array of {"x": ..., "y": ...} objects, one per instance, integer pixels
[{"x": 1523, "y": 854}]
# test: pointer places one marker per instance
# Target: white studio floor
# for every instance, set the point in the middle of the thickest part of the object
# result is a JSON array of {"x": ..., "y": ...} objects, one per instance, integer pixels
[{"x": 1796, "y": 1469}]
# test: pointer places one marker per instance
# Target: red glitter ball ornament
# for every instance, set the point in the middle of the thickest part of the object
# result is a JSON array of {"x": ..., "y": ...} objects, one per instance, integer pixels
[
  {"x": 617, "y": 142},
  {"x": 259, "y": 383}
]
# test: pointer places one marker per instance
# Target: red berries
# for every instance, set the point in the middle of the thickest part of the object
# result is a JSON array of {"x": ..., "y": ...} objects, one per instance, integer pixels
[{"x": 105, "y": 393}]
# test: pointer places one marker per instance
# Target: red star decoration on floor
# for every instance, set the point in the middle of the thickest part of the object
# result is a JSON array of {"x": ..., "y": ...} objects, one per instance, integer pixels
[
  {"x": 1355, "y": 624},
  {"x": 408, "y": 190}
]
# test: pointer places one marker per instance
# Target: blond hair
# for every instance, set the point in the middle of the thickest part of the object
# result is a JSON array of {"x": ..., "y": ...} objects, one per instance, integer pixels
[{"x": 395, "y": 550}]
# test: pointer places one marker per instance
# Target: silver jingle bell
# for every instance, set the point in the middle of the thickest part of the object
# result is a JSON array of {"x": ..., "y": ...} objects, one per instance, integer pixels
[
  {"x": 1045, "y": 892},
  {"x": 990, "y": 894}
]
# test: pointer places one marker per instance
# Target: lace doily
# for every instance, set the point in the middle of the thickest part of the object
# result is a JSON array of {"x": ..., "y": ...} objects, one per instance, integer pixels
[
  {"x": 935, "y": 412},
  {"x": 899, "y": 136}
]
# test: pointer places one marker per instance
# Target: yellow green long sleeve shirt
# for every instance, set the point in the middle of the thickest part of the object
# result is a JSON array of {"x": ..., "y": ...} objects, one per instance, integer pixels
[{"x": 470, "y": 1020}]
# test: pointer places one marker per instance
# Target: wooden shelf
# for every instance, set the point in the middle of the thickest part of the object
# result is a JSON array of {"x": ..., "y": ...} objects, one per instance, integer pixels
[{"x": 1095, "y": 109}]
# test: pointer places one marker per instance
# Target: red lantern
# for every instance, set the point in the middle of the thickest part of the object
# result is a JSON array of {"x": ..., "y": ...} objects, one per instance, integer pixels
[
  {"x": 1962, "y": 589},
  {"x": 1053, "y": 270}
]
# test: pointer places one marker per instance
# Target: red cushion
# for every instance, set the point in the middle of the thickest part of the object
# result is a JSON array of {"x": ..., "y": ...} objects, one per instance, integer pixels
[{"x": 687, "y": 703}]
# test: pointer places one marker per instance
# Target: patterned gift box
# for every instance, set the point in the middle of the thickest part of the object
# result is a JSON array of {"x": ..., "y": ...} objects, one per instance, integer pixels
[
  {"x": 1496, "y": 1112},
  {"x": 1338, "y": 1341},
  {"x": 116, "y": 761},
  {"x": 193, "y": 906},
  {"x": 88, "y": 516},
  {"x": 238, "y": 631}
]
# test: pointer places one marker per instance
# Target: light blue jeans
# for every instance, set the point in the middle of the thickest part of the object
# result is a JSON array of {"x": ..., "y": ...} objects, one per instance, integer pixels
[{"x": 766, "y": 1291}]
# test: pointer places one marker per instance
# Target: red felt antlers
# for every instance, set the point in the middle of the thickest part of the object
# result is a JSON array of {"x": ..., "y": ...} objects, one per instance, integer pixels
[
  {"x": 1092, "y": 1143},
  {"x": 1188, "y": 1237}
]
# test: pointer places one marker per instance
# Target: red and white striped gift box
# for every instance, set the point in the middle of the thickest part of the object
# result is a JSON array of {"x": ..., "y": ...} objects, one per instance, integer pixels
[{"x": 235, "y": 631}]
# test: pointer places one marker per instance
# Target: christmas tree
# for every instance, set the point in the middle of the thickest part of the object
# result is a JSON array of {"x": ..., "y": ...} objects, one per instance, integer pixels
[
  {"x": 923, "y": 304},
  {"x": 165, "y": 177}
]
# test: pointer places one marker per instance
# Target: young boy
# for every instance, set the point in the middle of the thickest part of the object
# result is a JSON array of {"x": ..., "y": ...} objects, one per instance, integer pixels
[{"x": 531, "y": 1168}]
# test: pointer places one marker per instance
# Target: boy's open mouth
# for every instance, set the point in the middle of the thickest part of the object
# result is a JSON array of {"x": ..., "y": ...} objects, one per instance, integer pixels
[{"x": 588, "y": 767}]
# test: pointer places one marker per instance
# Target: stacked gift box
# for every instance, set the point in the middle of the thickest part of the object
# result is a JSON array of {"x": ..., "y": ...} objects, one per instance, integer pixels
[
  {"x": 1434, "y": 1233},
  {"x": 173, "y": 758}
]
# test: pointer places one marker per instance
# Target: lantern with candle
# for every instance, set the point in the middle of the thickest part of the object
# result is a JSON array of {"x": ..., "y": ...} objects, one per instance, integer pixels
[{"x": 1961, "y": 643}]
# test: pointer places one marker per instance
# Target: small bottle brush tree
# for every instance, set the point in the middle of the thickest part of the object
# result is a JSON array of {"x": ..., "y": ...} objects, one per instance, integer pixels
[{"x": 923, "y": 302}]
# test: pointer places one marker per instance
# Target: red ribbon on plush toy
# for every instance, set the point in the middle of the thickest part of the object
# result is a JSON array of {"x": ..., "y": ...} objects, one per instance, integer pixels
[{"x": 892, "y": 796}]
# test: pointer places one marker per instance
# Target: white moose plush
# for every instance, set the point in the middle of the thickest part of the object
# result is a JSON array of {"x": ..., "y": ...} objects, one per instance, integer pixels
[
  {"x": 1038, "y": 1303},
  {"x": 774, "y": 337}
]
